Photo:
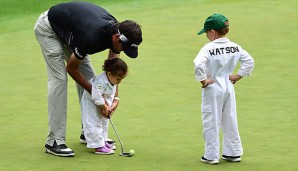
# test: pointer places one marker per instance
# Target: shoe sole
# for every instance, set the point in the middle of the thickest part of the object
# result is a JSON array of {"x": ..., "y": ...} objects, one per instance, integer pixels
[
  {"x": 61, "y": 155},
  {"x": 232, "y": 159},
  {"x": 83, "y": 141},
  {"x": 212, "y": 162},
  {"x": 100, "y": 153}
]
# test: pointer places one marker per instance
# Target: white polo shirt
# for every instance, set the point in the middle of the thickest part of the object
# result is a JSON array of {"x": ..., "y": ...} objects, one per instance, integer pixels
[{"x": 102, "y": 90}]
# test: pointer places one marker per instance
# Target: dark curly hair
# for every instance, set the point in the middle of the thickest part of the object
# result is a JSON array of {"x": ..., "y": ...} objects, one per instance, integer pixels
[
  {"x": 130, "y": 29},
  {"x": 115, "y": 66}
]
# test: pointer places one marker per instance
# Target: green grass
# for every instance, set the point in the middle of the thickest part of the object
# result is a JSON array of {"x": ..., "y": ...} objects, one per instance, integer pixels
[{"x": 159, "y": 113}]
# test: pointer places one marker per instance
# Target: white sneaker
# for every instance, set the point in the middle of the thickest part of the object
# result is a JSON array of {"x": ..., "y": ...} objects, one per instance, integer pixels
[
  {"x": 59, "y": 150},
  {"x": 110, "y": 141},
  {"x": 204, "y": 160},
  {"x": 231, "y": 158},
  {"x": 82, "y": 139}
]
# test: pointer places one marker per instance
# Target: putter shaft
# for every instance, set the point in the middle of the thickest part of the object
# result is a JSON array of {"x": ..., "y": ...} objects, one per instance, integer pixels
[{"x": 117, "y": 135}]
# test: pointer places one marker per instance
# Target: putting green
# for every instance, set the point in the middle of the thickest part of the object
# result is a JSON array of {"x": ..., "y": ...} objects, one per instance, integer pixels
[{"x": 159, "y": 112}]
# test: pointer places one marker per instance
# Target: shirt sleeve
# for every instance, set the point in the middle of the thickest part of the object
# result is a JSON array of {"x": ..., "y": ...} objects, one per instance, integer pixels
[
  {"x": 97, "y": 93},
  {"x": 79, "y": 45},
  {"x": 110, "y": 99},
  {"x": 200, "y": 65},
  {"x": 246, "y": 64}
]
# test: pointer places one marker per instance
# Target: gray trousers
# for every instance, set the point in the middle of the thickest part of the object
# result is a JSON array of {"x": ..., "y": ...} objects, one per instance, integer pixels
[{"x": 55, "y": 53}]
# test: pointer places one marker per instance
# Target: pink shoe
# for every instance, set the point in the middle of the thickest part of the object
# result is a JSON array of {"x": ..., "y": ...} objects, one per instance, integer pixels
[
  {"x": 103, "y": 151},
  {"x": 110, "y": 146}
]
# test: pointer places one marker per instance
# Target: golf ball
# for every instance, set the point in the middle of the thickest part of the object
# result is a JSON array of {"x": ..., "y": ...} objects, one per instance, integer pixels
[{"x": 131, "y": 151}]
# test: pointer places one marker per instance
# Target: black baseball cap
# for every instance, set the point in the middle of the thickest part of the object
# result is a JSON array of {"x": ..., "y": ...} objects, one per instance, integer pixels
[{"x": 130, "y": 47}]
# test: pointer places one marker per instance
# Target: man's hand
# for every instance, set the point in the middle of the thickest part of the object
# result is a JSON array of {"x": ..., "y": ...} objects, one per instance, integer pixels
[{"x": 104, "y": 110}]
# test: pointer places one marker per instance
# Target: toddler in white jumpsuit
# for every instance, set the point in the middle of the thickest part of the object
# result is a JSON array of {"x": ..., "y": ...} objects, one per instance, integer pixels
[
  {"x": 95, "y": 107},
  {"x": 214, "y": 66}
]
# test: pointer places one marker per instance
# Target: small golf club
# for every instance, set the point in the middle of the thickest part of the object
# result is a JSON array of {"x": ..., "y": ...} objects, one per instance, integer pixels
[{"x": 128, "y": 154}]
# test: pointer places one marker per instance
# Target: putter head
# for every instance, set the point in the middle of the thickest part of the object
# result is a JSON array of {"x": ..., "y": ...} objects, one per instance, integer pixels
[{"x": 127, "y": 154}]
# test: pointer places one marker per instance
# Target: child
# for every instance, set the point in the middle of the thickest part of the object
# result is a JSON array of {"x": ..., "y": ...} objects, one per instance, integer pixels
[
  {"x": 96, "y": 107},
  {"x": 214, "y": 66}
]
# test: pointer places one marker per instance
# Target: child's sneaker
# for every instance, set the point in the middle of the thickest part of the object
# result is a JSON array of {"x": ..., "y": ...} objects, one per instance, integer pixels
[
  {"x": 103, "y": 151},
  {"x": 110, "y": 141},
  {"x": 82, "y": 139},
  {"x": 112, "y": 147},
  {"x": 204, "y": 160},
  {"x": 231, "y": 158}
]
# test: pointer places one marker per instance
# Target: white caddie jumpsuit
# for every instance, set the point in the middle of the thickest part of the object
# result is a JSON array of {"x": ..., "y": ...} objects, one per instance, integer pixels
[
  {"x": 216, "y": 61},
  {"x": 95, "y": 126}
]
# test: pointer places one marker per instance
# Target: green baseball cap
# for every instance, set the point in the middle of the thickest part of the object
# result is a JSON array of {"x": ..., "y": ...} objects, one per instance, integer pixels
[{"x": 215, "y": 22}]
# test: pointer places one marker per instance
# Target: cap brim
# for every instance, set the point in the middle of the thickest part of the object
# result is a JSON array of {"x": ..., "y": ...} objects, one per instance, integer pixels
[
  {"x": 201, "y": 32},
  {"x": 131, "y": 52}
]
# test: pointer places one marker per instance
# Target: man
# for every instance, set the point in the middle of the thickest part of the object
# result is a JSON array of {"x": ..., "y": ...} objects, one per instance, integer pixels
[{"x": 67, "y": 34}]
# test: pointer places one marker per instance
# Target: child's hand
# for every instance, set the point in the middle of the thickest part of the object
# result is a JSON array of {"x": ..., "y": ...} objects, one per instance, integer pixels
[
  {"x": 114, "y": 106},
  {"x": 235, "y": 78},
  {"x": 206, "y": 82}
]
